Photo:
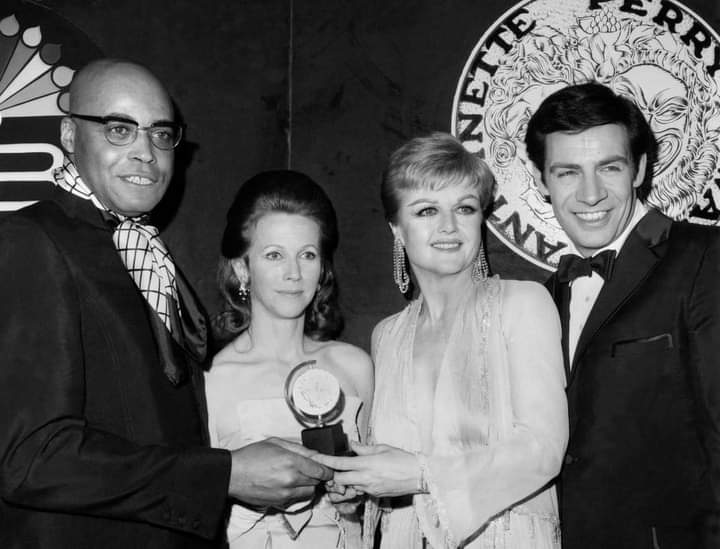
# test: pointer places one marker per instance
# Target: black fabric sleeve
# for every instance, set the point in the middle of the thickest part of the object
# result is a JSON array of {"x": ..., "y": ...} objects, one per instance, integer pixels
[{"x": 50, "y": 458}]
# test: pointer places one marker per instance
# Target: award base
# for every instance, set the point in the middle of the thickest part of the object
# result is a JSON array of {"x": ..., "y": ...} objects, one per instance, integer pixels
[{"x": 329, "y": 440}]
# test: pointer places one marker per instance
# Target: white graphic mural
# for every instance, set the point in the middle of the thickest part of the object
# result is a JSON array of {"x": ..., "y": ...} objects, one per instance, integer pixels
[{"x": 658, "y": 53}]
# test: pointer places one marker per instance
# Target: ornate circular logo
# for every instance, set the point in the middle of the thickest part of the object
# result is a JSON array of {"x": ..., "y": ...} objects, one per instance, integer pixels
[
  {"x": 313, "y": 394},
  {"x": 35, "y": 71},
  {"x": 656, "y": 52},
  {"x": 316, "y": 392}
]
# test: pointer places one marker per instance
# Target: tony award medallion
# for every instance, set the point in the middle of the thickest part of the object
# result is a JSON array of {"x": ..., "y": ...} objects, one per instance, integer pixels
[{"x": 314, "y": 396}]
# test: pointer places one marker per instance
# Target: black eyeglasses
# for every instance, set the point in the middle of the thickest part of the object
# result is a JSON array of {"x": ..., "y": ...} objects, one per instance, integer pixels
[{"x": 123, "y": 131}]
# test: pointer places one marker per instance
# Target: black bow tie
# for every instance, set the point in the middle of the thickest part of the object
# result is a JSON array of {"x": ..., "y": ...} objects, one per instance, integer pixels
[{"x": 573, "y": 266}]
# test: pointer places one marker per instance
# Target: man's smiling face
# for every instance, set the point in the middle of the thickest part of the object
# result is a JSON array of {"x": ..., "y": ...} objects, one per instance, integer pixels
[
  {"x": 129, "y": 179},
  {"x": 591, "y": 180}
]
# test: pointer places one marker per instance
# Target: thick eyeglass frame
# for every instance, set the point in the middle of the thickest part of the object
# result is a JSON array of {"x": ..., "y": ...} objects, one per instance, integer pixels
[{"x": 105, "y": 120}]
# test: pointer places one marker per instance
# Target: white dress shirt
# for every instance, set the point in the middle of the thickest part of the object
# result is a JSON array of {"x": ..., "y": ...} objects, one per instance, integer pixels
[{"x": 585, "y": 289}]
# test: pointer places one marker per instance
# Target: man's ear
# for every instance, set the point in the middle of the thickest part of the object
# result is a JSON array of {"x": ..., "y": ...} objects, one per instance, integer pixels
[
  {"x": 538, "y": 176},
  {"x": 641, "y": 168},
  {"x": 67, "y": 134}
]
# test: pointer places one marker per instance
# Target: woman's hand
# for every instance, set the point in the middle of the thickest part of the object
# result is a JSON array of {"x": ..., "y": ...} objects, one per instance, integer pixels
[
  {"x": 345, "y": 499},
  {"x": 379, "y": 470}
]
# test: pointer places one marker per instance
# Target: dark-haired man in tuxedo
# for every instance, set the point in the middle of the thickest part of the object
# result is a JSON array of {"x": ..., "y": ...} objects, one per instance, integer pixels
[
  {"x": 640, "y": 305},
  {"x": 103, "y": 442}
]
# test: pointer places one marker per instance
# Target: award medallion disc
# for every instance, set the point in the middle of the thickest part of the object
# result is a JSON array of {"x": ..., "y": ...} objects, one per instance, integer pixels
[
  {"x": 316, "y": 392},
  {"x": 315, "y": 398}
]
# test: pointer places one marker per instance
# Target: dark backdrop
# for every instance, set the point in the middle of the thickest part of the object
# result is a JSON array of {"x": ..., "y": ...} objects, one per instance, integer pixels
[{"x": 361, "y": 76}]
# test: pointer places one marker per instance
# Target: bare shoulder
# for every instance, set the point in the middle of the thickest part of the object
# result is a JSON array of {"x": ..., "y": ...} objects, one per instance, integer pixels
[
  {"x": 527, "y": 303},
  {"x": 350, "y": 363},
  {"x": 344, "y": 353},
  {"x": 521, "y": 295},
  {"x": 229, "y": 357},
  {"x": 528, "y": 308}
]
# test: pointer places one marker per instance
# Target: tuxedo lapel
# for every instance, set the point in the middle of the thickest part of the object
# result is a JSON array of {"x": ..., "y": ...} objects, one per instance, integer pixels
[
  {"x": 638, "y": 257},
  {"x": 184, "y": 352},
  {"x": 195, "y": 343},
  {"x": 560, "y": 293}
]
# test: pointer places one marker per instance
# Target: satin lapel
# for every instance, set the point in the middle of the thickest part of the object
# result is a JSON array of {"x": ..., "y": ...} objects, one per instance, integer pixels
[
  {"x": 194, "y": 324},
  {"x": 638, "y": 257},
  {"x": 561, "y": 296},
  {"x": 195, "y": 342},
  {"x": 564, "y": 309},
  {"x": 78, "y": 208},
  {"x": 183, "y": 353}
]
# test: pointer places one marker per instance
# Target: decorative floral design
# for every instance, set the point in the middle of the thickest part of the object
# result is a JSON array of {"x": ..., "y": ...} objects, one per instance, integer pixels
[{"x": 637, "y": 59}]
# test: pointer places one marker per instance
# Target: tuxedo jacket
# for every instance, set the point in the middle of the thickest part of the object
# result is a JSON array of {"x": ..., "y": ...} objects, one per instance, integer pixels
[
  {"x": 97, "y": 447},
  {"x": 642, "y": 468}
]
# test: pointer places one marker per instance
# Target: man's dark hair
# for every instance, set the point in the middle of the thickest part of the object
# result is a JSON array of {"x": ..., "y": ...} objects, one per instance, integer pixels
[{"x": 583, "y": 106}]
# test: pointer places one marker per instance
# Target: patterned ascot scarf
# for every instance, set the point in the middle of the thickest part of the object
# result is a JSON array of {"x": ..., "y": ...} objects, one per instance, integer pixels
[{"x": 142, "y": 251}]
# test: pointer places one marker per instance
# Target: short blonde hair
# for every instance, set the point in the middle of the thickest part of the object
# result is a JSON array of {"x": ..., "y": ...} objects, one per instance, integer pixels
[{"x": 433, "y": 162}]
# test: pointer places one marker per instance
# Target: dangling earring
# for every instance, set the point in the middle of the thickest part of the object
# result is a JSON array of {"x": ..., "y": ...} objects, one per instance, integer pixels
[
  {"x": 480, "y": 267},
  {"x": 400, "y": 274},
  {"x": 244, "y": 292}
]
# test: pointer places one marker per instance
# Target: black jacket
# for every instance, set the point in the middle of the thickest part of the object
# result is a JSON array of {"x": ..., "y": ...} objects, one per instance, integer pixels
[
  {"x": 97, "y": 447},
  {"x": 643, "y": 461}
]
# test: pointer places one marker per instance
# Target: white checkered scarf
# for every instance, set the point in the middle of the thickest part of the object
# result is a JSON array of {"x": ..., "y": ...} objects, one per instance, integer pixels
[{"x": 144, "y": 254}]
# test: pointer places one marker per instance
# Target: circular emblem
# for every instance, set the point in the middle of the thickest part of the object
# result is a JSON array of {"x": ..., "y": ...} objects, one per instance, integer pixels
[
  {"x": 316, "y": 392},
  {"x": 312, "y": 393},
  {"x": 656, "y": 52},
  {"x": 39, "y": 53}
]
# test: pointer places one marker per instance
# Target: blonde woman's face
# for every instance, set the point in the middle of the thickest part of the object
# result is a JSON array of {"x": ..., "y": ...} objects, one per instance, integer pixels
[{"x": 440, "y": 229}]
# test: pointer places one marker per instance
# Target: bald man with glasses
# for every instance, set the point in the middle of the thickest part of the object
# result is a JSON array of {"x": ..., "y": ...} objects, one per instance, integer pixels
[{"x": 103, "y": 437}]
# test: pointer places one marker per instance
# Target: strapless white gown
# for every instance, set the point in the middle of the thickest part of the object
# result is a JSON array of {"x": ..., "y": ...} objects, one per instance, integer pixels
[{"x": 302, "y": 526}]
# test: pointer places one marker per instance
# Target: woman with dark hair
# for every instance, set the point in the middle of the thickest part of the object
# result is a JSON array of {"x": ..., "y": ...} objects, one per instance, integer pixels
[
  {"x": 277, "y": 278},
  {"x": 469, "y": 421}
]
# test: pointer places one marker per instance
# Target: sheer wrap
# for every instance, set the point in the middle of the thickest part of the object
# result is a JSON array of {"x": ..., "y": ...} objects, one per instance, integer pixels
[{"x": 498, "y": 425}]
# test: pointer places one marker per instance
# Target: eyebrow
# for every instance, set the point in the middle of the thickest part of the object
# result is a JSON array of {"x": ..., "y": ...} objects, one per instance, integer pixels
[
  {"x": 603, "y": 162},
  {"x": 282, "y": 247},
  {"x": 121, "y": 117},
  {"x": 430, "y": 201}
]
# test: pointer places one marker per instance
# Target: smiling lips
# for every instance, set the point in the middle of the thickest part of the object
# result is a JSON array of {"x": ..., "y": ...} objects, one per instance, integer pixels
[
  {"x": 592, "y": 216},
  {"x": 138, "y": 180},
  {"x": 447, "y": 244}
]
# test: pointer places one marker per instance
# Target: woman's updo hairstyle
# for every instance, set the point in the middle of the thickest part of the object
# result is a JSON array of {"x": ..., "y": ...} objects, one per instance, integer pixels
[{"x": 279, "y": 191}]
